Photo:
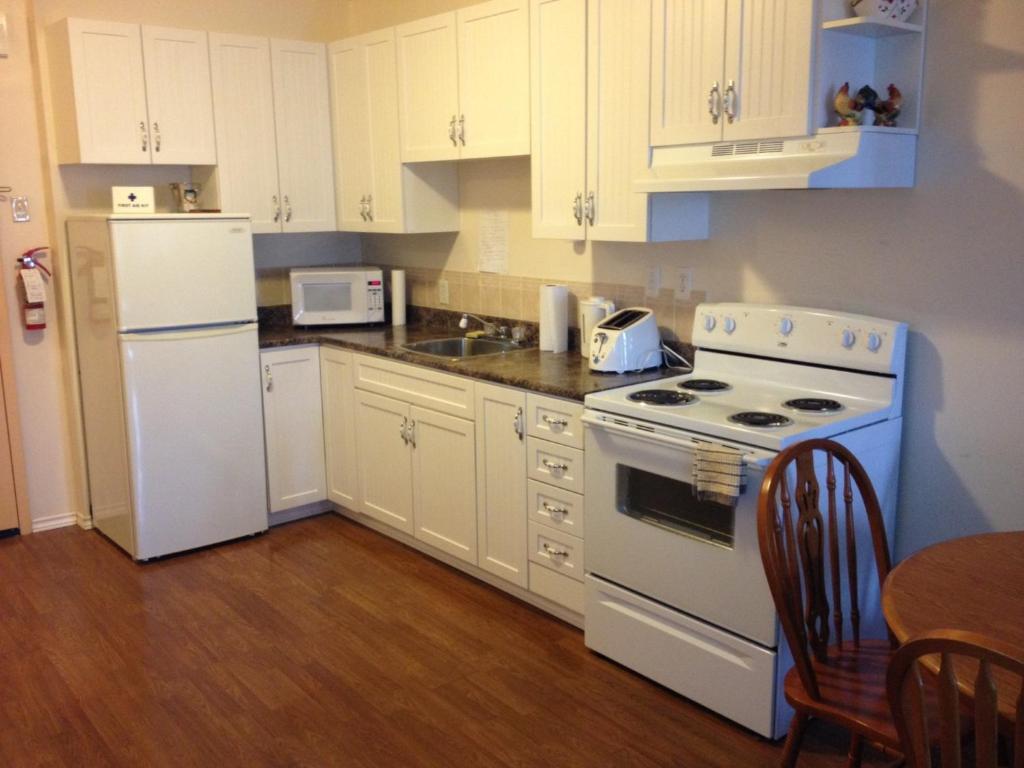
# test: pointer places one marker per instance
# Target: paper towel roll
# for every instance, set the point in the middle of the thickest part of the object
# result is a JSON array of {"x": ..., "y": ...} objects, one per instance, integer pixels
[
  {"x": 398, "y": 297},
  {"x": 554, "y": 317}
]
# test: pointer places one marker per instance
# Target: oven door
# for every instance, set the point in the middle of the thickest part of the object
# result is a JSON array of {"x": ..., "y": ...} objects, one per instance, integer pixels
[
  {"x": 328, "y": 300},
  {"x": 648, "y": 532}
]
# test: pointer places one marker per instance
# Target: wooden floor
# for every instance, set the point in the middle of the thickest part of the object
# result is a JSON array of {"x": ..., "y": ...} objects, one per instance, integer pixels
[{"x": 321, "y": 643}]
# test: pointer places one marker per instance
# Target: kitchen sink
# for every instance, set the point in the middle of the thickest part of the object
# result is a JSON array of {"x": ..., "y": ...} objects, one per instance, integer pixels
[{"x": 460, "y": 347}]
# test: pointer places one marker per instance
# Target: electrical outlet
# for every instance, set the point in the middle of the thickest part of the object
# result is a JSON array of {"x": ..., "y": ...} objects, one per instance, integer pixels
[
  {"x": 443, "y": 296},
  {"x": 684, "y": 283},
  {"x": 653, "y": 281}
]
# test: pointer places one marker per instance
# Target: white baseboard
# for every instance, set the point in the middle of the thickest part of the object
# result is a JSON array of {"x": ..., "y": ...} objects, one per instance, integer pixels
[
  {"x": 50, "y": 522},
  {"x": 84, "y": 520}
]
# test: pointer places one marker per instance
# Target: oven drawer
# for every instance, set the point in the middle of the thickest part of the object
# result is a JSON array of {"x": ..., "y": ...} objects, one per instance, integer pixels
[
  {"x": 557, "y": 550},
  {"x": 555, "y": 464},
  {"x": 556, "y": 420},
  {"x": 714, "y": 668},
  {"x": 555, "y": 507},
  {"x": 556, "y": 587}
]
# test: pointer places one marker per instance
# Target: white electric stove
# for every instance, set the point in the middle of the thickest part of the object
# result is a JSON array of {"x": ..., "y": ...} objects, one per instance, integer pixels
[{"x": 675, "y": 585}]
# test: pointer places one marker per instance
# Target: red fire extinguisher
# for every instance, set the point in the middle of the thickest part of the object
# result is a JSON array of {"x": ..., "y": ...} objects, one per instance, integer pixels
[{"x": 33, "y": 288}]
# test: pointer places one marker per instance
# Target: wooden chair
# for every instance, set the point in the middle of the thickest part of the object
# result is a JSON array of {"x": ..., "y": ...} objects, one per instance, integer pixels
[
  {"x": 965, "y": 660},
  {"x": 808, "y": 553}
]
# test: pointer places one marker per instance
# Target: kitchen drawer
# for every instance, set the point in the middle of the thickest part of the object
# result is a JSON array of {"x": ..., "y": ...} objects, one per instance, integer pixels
[
  {"x": 555, "y": 464},
  {"x": 431, "y": 389},
  {"x": 557, "y": 550},
  {"x": 555, "y": 507},
  {"x": 556, "y": 587},
  {"x": 556, "y": 420}
]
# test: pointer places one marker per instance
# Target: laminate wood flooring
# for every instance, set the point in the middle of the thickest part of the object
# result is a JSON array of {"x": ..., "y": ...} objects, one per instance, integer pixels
[{"x": 321, "y": 643}]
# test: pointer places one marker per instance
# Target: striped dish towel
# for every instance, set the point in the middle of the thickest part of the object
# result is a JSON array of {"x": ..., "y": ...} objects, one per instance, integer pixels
[{"x": 719, "y": 473}]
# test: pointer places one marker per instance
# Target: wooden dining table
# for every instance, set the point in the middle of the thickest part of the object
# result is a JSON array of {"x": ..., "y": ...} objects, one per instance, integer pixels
[{"x": 975, "y": 583}]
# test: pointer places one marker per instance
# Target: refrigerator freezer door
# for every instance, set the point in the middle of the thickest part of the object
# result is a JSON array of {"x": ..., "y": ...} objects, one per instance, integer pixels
[
  {"x": 195, "y": 434},
  {"x": 174, "y": 273}
]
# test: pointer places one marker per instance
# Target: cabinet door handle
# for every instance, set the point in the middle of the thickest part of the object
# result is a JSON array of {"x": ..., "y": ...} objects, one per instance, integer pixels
[
  {"x": 731, "y": 101},
  {"x": 517, "y": 423},
  {"x": 715, "y": 102},
  {"x": 590, "y": 208},
  {"x": 287, "y": 209},
  {"x": 462, "y": 130},
  {"x": 277, "y": 209},
  {"x": 577, "y": 208},
  {"x": 556, "y": 512},
  {"x": 156, "y": 137},
  {"x": 554, "y": 466},
  {"x": 412, "y": 432},
  {"x": 553, "y": 552},
  {"x": 269, "y": 376},
  {"x": 403, "y": 430},
  {"x": 451, "y": 132},
  {"x": 554, "y": 422},
  {"x": 144, "y": 135},
  {"x": 369, "y": 207},
  {"x": 362, "y": 207}
]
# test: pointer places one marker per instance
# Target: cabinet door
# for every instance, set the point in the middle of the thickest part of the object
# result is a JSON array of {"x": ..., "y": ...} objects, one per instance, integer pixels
[
  {"x": 107, "y": 79},
  {"x": 243, "y": 106},
  {"x": 428, "y": 89},
  {"x": 385, "y": 460},
  {"x": 302, "y": 116},
  {"x": 687, "y": 63},
  {"x": 293, "y": 420},
  {"x": 494, "y": 79},
  {"x": 338, "y": 390},
  {"x": 387, "y": 203},
  {"x": 444, "y": 480},
  {"x": 768, "y": 64},
  {"x": 178, "y": 94},
  {"x": 558, "y": 79},
  {"x": 351, "y": 121},
  {"x": 618, "y": 88},
  {"x": 501, "y": 482}
]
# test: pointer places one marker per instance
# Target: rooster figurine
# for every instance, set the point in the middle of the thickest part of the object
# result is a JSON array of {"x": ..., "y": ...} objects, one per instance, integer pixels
[
  {"x": 847, "y": 108},
  {"x": 887, "y": 111}
]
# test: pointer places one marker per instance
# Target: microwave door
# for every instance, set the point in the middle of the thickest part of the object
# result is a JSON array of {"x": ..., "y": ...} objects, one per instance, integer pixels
[{"x": 330, "y": 301}]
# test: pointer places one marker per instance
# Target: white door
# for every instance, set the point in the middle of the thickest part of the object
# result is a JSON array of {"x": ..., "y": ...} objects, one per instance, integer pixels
[
  {"x": 558, "y": 79},
  {"x": 178, "y": 94},
  {"x": 110, "y": 92},
  {"x": 302, "y": 114},
  {"x": 618, "y": 90},
  {"x": 444, "y": 481},
  {"x": 428, "y": 89},
  {"x": 768, "y": 68},
  {"x": 494, "y": 79},
  {"x": 176, "y": 272},
  {"x": 386, "y": 205},
  {"x": 385, "y": 460},
  {"x": 352, "y": 143},
  {"x": 687, "y": 66},
  {"x": 501, "y": 482},
  {"x": 194, "y": 437},
  {"x": 336, "y": 384},
  {"x": 243, "y": 105},
  {"x": 294, "y": 426}
]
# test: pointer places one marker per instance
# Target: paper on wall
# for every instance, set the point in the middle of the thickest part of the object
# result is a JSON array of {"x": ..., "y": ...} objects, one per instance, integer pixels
[{"x": 493, "y": 244}]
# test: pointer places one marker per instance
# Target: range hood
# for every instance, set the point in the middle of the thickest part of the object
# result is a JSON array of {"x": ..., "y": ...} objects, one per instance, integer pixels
[{"x": 839, "y": 158}]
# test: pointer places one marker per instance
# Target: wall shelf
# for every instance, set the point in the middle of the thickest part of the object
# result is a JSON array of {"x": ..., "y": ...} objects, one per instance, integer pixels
[
  {"x": 865, "y": 27},
  {"x": 867, "y": 129}
]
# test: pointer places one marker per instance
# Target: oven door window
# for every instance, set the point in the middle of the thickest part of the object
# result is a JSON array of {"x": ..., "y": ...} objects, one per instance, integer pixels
[
  {"x": 327, "y": 297},
  {"x": 673, "y": 505}
]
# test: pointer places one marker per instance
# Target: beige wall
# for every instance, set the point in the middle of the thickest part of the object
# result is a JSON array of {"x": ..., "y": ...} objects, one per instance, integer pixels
[{"x": 945, "y": 257}]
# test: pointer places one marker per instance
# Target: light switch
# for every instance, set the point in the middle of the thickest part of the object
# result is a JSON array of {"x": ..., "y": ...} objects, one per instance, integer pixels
[
  {"x": 19, "y": 209},
  {"x": 3, "y": 35}
]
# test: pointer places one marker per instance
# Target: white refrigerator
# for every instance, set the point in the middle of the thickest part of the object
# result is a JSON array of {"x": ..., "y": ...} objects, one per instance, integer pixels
[{"x": 168, "y": 359}]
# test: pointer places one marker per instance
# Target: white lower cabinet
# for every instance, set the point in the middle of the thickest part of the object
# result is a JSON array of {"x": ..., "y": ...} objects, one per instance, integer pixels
[
  {"x": 294, "y": 426},
  {"x": 385, "y": 460},
  {"x": 339, "y": 406}
]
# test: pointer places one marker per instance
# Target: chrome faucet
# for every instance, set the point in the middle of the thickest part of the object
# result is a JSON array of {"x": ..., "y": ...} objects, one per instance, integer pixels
[{"x": 490, "y": 329}]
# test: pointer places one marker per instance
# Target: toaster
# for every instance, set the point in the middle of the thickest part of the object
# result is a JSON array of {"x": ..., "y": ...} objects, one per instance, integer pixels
[{"x": 627, "y": 340}]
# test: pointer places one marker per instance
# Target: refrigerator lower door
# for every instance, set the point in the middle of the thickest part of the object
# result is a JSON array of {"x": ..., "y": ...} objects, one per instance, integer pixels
[{"x": 195, "y": 435}]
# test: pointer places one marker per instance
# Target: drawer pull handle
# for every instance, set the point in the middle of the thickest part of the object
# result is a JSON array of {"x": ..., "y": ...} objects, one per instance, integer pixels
[
  {"x": 559, "y": 512},
  {"x": 553, "y": 422},
  {"x": 552, "y": 552},
  {"x": 554, "y": 466}
]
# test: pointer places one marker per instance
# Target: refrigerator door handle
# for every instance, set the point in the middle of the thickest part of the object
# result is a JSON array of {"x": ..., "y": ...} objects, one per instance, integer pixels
[{"x": 173, "y": 334}]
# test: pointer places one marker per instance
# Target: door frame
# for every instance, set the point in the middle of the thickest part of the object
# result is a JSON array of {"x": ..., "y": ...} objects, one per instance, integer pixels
[{"x": 9, "y": 401}]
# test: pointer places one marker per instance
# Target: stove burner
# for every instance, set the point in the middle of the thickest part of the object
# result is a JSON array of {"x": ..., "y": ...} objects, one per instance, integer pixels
[
  {"x": 814, "y": 404},
  {"x": 704, "y": 385},
  {"x": 760, "y": 419},
  {"x": 661, "y": 397}
]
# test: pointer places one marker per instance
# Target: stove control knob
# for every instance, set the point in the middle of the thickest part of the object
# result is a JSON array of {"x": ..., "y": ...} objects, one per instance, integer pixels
[
  {"x": 785, "y": 326},
  {"x": 874, "y": 342},
  {"x": 709, "y": 323},
  {"x": 729, "y": 325},
  {"x": 849, "y": 339}
]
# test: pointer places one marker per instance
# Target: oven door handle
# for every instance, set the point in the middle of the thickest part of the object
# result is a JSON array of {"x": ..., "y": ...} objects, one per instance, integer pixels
[{"x": 758, "y": 460}]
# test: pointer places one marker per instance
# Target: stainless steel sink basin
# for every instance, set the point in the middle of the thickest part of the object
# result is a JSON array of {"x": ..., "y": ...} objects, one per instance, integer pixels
[{"x": 460, "y": 347}]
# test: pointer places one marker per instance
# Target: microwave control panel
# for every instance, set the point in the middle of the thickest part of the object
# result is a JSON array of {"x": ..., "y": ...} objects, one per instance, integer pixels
[{"x": 375, "y": 301}]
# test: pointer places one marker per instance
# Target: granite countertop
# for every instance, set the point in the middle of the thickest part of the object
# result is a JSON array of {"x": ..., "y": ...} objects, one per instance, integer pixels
[{"x": 564, "y": 374}]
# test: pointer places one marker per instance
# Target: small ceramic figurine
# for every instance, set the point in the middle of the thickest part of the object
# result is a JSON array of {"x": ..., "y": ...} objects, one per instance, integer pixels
[
  {"x": 846, "y": 107},
  {"x": 867, "y": 98},
  {"x": 887, "y": 111}
]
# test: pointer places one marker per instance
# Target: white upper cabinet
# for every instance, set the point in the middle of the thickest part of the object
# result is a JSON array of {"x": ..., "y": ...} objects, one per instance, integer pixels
[
  {"x": 464, "y": 83},
  {"x": 131, "y": 95},
  {"x": 731, "y": 70}
]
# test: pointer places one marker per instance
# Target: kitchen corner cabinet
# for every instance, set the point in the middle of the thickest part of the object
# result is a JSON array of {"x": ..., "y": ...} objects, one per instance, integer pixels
[
  {"x": 590, "y": 78},
  {"x": 271, "y": 103},
  {"x": 131, "y": 94},
  {"x": 293, "y": 426},
  {"x": 375, "y": 192},
  {"x": 501, "y": 482},
  {"x": 730, "y": 70},
  {"x": 339, "y": 406},
  {"x": 463, "y": 83}
]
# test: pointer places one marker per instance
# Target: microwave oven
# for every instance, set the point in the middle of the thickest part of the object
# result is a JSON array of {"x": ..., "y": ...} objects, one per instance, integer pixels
[{"x": 337, "y": 295}]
